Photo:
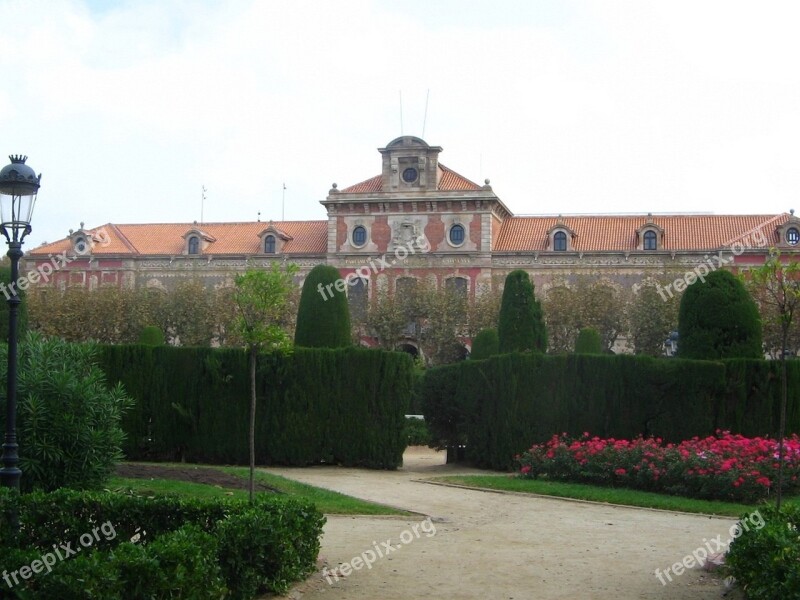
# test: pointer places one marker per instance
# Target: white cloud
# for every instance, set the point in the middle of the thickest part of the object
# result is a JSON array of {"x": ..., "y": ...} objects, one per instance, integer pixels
[{"x": 567, "y": 106}]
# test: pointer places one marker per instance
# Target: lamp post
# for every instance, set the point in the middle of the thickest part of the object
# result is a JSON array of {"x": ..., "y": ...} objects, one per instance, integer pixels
[{"x": 19, "y": 186}]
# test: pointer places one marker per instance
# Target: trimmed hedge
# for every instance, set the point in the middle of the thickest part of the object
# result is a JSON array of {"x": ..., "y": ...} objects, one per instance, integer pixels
[
  {"x": 498, "y": 407},
  {"x": 343, "y": 406},
  {"x": 184, "y": 548}
]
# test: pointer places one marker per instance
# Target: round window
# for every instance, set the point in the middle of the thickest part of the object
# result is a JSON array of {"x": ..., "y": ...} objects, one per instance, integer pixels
[
  {"x": 81, "y": 246},
  {"x": 793, "y": 236},
  {"x": 410, "y": 175}
]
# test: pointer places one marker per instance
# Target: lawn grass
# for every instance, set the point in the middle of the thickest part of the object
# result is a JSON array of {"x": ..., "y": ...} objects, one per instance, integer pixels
[
  {"x": 327, "y": 501},
  {"x": 580, "y": 491}
]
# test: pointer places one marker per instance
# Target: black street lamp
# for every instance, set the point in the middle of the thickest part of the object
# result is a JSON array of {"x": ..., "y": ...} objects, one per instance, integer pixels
[{"x": 19, "y": 186}]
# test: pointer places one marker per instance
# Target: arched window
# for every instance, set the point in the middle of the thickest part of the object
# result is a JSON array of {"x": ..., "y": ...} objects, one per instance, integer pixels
[
  {"x": 650, "y": 240},
  {"x": 457, "y": 234},
  {"x": 359, "y": 236},
  {"x": 560, "y": 241},
  {"x": 194, "y": 245},
  {"x": 357, "y": 297},
  {"x": 269, "y": 244},
  {"x": 457, "y": 285},
  {"x": 792, "y": 236}
]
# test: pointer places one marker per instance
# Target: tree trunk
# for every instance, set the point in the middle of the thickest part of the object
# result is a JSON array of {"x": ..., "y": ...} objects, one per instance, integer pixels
[
  {"x": 782, "y": 424},
  {"x": 251, "y": 482}
]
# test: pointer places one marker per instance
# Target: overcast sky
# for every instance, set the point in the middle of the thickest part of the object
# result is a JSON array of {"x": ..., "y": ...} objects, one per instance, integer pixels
[{"x": 128, "y": 108}]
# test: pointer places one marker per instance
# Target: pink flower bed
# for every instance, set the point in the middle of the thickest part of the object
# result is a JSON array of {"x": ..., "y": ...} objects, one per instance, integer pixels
[{"x": 721, "y": 467}]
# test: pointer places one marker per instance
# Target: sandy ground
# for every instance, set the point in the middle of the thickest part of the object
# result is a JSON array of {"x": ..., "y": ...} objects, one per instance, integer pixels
[{"x": 500, "y": 546}]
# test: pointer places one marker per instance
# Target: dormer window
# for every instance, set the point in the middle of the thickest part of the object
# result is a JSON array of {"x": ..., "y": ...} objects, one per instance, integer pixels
[
  {"x": 650, "y": 235},
  {"x": 792, "y": 236},
  {"x": 81, "y": 245},
  {"x": 273, "y": 240},
  {"x": 194, "y": 245},
  {"x": 560, "y": 241},
  {"x": 560, "y": 238}
]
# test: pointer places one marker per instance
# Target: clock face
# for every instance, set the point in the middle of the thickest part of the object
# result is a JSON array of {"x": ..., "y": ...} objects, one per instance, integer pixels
[{"x": 410, "y": 175}]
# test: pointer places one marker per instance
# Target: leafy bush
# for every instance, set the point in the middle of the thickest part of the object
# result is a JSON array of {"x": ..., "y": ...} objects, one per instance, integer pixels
[
  {"x": 416, "y": 432},
  {"x": 521, "y": 325},
  {"x": 764, "y": 559},
  {"x": 68, "y": 417},
  {"x": 269, "y": 547},
  {"x": 151, "y": 336},
  {"x": 323, "y": 317},
  {"x": 588, "y": 342},
  {"x": 485, "y": 344},
  {"x": 718, "y": 319},
  {"x": 185, "y": 548}
]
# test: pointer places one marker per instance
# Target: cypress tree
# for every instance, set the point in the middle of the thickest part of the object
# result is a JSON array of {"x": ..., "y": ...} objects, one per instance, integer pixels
[
  {"x": 718, "y": 319},
  {"x": 323, "y": 317},
  {"x": 588, "y": 342},
  {"x": 521, "y": 324},
  {"x": 485, "y": 344}
]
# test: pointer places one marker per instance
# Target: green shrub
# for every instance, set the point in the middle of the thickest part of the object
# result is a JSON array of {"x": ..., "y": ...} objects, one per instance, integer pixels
[
  {"x": 267, "y": 548},
  {"x": 588, "y": 342},
  {"x": 485, "y": 344},
  {"x": 68, "y": 416},
  {"x": 323, "y": 316},
  {"x": 521, "y": 326},
  {"x": 151, "y": 336},
  {"x": 186, "y": 548},
  {"x": 416, "y": 432},
  {"x": 718, "y": 319},
  {"x": 764, "y": 559}
]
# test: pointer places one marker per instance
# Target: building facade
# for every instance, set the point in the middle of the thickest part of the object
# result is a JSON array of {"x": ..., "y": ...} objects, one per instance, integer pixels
[{"x": 417, "y": 219}]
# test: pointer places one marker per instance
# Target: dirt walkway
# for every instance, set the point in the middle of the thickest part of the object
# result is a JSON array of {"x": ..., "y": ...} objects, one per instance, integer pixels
[{"x": 498, "y": 546}]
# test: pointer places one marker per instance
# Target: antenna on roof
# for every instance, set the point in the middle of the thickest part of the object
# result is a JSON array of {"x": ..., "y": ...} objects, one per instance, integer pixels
[
  {"x": 425, "y": 118},
  {"x": 202, "y": 202},
  {"x": 283, "y": 199},
  {"x": 401, "y": 112}
]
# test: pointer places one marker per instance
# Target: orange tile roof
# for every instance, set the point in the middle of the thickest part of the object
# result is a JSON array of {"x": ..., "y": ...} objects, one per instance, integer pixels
[
  {"x": 618, "y": 233},
  {"x": 449, "y": 181},
  {"x": 309, "y": 237}
]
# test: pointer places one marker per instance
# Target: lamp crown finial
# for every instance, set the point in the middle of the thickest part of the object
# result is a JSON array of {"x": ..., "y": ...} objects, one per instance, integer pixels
[{"x": 17, "y": 159}]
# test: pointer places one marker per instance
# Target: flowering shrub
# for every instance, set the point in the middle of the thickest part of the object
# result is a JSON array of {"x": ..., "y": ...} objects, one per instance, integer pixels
[{"x": 721, "y": 467}]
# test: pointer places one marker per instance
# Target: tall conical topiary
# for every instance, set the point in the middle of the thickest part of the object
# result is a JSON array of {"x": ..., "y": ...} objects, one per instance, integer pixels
[
  {"x": 718, "y": 319},
  {"x": 521, "y": 327},
  {"x": 588, "y": 342},
  {"x": 323, "y": 317},
  {"x": 485, "y": 344}
]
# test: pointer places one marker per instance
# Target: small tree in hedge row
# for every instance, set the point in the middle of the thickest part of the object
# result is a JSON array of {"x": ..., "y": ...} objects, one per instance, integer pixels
[
  {"x": 718, "y": 319},
  {"x": 521, "y": 326},
  {"x": 263, "y": 300},
  {"x": 485, "y": 344},
  {"x": 588, "y": 342},
  {"x": 323, "y": 317}
]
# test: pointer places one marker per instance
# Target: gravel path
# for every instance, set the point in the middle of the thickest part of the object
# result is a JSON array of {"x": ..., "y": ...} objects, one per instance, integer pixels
[{"x": 499, "y": 546}]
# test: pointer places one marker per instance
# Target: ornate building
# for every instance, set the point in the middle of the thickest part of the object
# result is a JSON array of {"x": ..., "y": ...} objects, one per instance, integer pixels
[{"x": 416, "y": 219}]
